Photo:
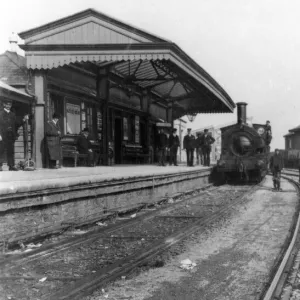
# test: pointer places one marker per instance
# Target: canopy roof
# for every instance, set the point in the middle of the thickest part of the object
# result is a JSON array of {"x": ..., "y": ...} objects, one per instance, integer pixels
[
  {"x": 142, "y": 61},
  {"x": 9, "y": 92},
  {"x": 296, "y": 129}
]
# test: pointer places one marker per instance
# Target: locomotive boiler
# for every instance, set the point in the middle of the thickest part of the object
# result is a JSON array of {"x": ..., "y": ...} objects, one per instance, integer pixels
[{"x": 244, "y": 150}]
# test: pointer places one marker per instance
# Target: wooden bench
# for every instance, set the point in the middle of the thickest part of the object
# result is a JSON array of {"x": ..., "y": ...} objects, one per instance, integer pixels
[
  {"x": 135, "y": 152},
  {"x": 69, "y": 149}
]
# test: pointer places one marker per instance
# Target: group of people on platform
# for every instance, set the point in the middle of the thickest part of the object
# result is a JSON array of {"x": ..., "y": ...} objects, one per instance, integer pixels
[
  {"x": 202, "y": 145},
  {"x": 9, "y": 125}
]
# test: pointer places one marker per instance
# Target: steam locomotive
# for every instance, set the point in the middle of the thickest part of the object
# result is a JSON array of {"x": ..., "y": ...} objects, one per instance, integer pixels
[{"x": 245, "y": 149}]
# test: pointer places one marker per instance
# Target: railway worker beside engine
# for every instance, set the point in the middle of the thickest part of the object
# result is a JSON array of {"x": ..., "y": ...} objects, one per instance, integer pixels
[
  {"x": 84, "y": 147},
  {"x": 53, "y": 136},
  {"x": 173, "y": 145},
  {"x": 162, "y": 147},
  {"x": 198, "y": 142},
  {"x": 189, "y": 146},
  {"x": 207, "y": 141},
  {"x": 276, "y": 165},
  {"x": 9, "y": 125},
  {"x": 268, "y": 134}
]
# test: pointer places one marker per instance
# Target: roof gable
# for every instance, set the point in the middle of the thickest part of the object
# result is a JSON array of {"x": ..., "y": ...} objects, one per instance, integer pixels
[
  {"x": 87, "y": 27},
  {"x": 13, "y": 70}
]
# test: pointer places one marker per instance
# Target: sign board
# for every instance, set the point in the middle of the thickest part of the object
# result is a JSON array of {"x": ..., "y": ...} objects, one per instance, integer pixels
[
  {"x": 73, "y": 118},
  {"x": 164, "y": 125}
]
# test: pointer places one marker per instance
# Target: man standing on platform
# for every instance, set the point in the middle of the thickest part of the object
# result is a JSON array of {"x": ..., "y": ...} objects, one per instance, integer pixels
[
  {"x": 162, "y": 147},
  {"x": 207, "y": 141},
  {"x": 9, "y": 125},
  {"x": 189, "y": 146},
  {"x": 173, "y": 145},
  {"x": 199, "y": 154},
  {"x": 276, "y": 165}
]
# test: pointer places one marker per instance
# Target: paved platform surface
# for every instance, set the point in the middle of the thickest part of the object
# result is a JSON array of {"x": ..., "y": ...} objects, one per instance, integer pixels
[{"x": 28, "y": 180}]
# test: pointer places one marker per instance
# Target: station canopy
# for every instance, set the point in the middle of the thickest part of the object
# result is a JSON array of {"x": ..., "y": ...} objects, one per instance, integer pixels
[{"x": 141, "y": 61}]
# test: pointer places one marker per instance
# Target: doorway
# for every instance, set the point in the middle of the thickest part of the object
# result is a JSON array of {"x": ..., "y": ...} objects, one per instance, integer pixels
[
  {"x": 118, "y": 140},
  {"x": 143, "y": 134}
]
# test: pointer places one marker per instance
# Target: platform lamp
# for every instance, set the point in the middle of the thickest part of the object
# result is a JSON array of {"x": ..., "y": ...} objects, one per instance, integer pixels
[{"x": 191, "y": 116}]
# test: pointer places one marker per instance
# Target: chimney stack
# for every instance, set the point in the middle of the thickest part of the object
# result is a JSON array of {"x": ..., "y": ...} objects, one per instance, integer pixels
[
  {"x": 13, "y": 40},
  {"x": 241, "y": 112}
]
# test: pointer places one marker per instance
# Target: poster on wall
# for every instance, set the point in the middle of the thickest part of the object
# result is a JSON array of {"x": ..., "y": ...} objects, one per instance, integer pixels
[
  {"x": 73, "y": 118},
  {"x": 125, "y": 129},
  {"x": 137, "y": 129}
]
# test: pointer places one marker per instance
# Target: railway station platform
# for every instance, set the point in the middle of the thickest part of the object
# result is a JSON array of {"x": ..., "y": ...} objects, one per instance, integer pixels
[{"x": 45, "y": 201}]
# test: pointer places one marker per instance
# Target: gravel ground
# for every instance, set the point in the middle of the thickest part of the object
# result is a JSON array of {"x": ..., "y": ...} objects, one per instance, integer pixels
[
  {"x": 233, "y": 257},
  {"x": 60, "y": 269}
]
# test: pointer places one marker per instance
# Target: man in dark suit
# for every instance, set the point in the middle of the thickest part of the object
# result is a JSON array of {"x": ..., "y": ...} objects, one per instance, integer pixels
[
  {"x": 84, "y": 146},
  {"x": 173, "y": 145},
  {"x": 198, "y": 145},
  {"x": 276, "y": 166},
  {"x": 162, "y": 147},
  {"x": 189, "y": 146},
  {"x": 9, "y": 125},
  {"x": 207, "y": 141}
]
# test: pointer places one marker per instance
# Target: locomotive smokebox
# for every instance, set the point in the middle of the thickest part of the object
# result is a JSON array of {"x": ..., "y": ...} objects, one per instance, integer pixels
[{"x": 242, "y": 112}]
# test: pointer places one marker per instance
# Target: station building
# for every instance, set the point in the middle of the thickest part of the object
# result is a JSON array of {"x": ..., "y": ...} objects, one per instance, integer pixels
[
  {"x": 292, "y": 139},
  {"x": 113, "y": 78}
]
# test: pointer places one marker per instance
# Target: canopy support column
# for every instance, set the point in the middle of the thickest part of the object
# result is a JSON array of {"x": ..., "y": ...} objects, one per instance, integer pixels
[
  {"x": 103, "y": 93},
  {"x": 40, "y": 90}
]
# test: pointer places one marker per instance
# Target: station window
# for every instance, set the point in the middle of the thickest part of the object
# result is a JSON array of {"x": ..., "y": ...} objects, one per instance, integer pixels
[{"x": 86, "y": 116}]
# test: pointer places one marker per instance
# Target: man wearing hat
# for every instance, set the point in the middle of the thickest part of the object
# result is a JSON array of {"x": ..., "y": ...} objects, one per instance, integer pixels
[
  {"x": 198, "y": 143},
  {"x": 162, "y": 144},
  {"x": 173, "y": 145},
  {"x": 276, "y": 165},
  {"x": 84, "y": 146},
  {"x": 53, "y": 136},
  {"x": 189, "y": 146},
  {"x": 9, "y": 125},
  {"x": 268, "y": 134},
  {"x": 207, "y": 141}
]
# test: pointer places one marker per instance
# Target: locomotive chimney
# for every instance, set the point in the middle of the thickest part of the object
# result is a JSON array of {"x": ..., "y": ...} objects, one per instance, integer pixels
[{"x": 241, "y": 112}]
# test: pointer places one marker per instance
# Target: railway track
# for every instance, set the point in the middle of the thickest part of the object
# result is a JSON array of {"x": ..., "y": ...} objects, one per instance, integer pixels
[
  {"x": 101, "y": 257},
  {"x": 283, "y": 277}
]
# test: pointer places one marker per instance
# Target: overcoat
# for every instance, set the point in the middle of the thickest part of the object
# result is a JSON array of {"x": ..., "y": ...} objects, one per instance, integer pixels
[
  {"x": 276, "y": 161},
  {"x": 83, "y": 144},
  {"x": 9, "y": 125},
  {"x": 162, "y": 141},
  {"x": 207, "y": 141},
  {"x": 189, "y": 142},
  {"x": 174, "y": 141},
  {"x": 53, "y": 136}
]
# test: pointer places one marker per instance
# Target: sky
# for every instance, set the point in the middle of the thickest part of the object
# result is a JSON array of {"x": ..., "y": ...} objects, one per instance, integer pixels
[{"x": 250, "y": 47}]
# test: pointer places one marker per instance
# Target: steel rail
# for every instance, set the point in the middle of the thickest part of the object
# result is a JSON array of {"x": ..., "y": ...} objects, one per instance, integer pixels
[
  {"x": 61, "y": 246},
  {"x": 276, "y": 286},
  {"x": 84, "y": 287}
]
